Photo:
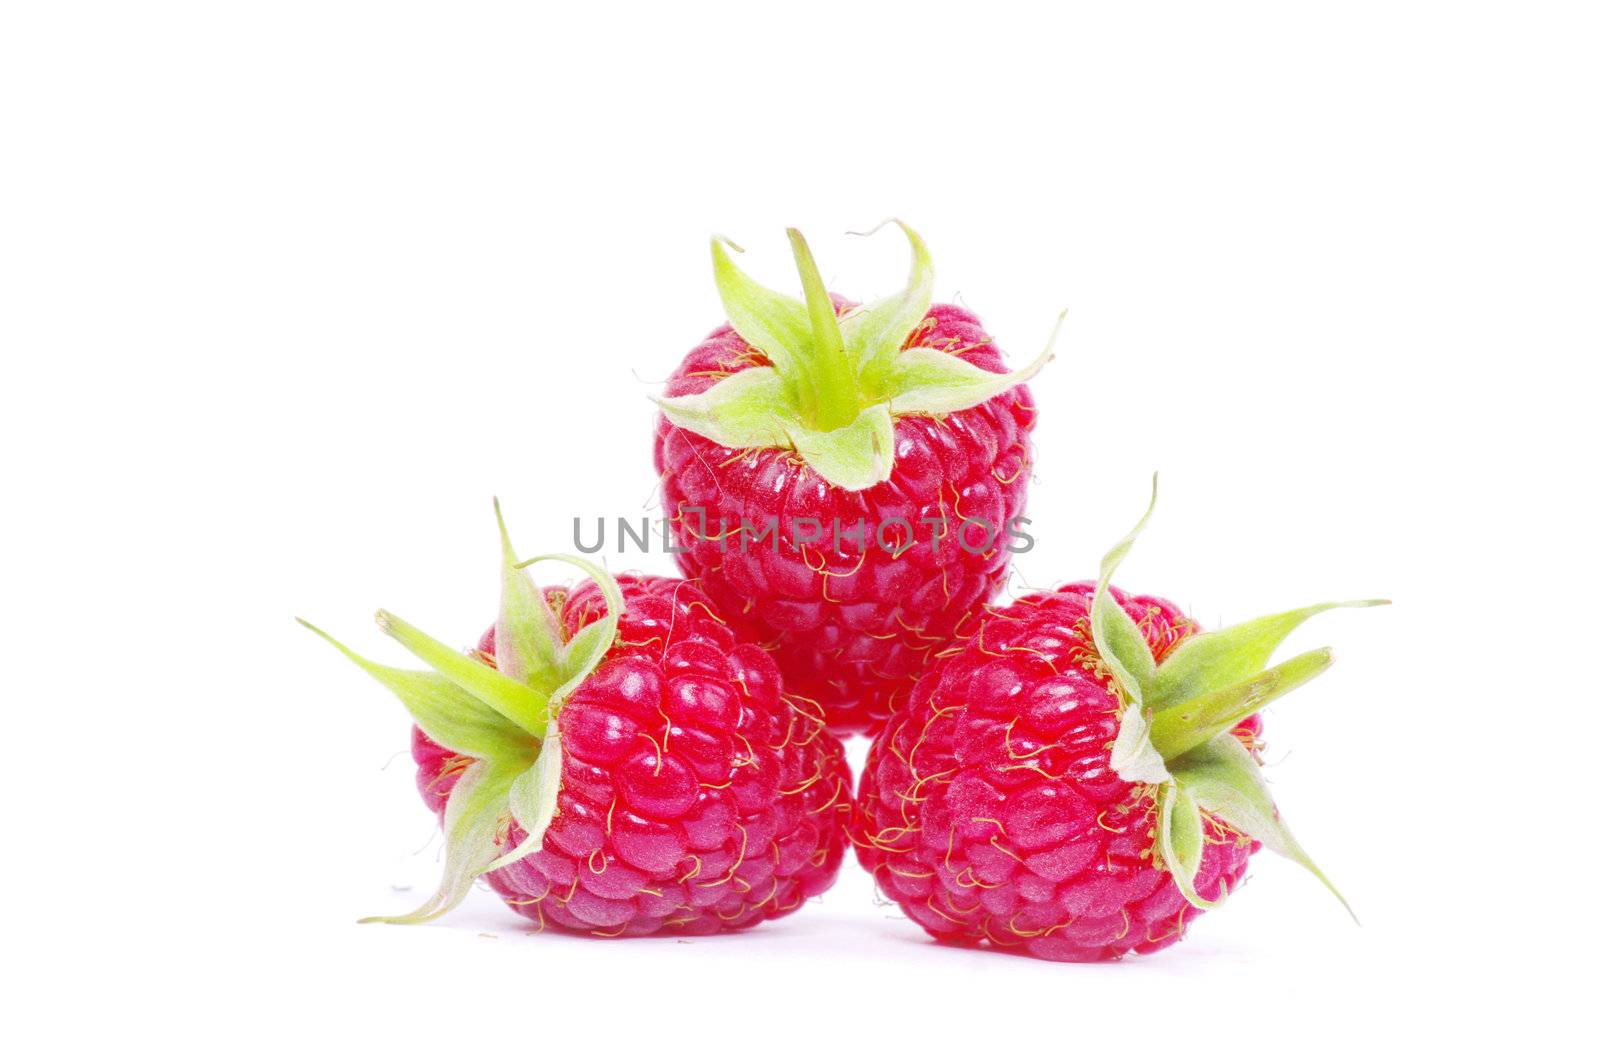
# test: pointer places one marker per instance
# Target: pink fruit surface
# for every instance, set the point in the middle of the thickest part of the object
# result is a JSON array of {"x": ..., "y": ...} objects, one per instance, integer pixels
[
  {"x": 847, "y": 481},
  {"x": 852, "y": 623},
  {"x": 694, "y": 797}
]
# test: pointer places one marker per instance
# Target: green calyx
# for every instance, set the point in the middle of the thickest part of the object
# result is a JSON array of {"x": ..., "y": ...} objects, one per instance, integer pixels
[
  {"x": 1177, "y": 719},
  {"x": 835, "y": 384},
  {"x": 504, "y": 718}
]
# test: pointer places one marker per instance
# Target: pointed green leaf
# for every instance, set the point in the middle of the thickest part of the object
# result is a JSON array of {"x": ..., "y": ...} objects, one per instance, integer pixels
[
  {"x": 853, "y": 457},
  {"x": 934, "y": 383},
  {"x": 1187, "y": 725},
  {"x": 834, "y": 386},
  {"x": 451, "y": 717},
  {"x": 527, "y": 639},
  {"x": 589, "y": 645},
  {"x": 773, "y": 323},
  {"x": 1181, "y": 839},
  {"x": 833, "y": 379},
  {"x": 924, "y": 382},
  {"x": 1223, "y": 779},
  {"x": 750, "y": 409},
  {"x": 513, "y": 700},
  {"x": 533, "y": 799},
  {"x": 1123, "y": 650},
  {"x": 472, "y": 818},
  {"x": 746, "y": 411},
  {"x": 1207, "y": 662},
  {"x": 875, "y": 333},
  {"x": 1116, "y": 634},
  {"x": 1119, "y": 552},
  {"x": 584, "y": 653}
]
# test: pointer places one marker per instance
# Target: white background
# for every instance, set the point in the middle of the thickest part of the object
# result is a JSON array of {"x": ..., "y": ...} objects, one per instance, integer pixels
[{"x": 289, "y": 291}]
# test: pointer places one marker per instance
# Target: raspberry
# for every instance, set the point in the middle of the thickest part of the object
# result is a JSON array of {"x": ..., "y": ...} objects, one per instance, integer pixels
[
  {"x": 857, "y": 551},
  {"x": 1074, "y": 781},
  {"x": 685, "y": 792}
]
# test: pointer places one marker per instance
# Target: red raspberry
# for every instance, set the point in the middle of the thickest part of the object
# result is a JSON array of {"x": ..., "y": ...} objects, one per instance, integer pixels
[
  {"x": 998, "y": 808},
  {"x": 876, "y": 562},
  {"x": 738, "y": 821},
  {"x": 1002, "y": 820},
  {"x": 693, "y": 796}
]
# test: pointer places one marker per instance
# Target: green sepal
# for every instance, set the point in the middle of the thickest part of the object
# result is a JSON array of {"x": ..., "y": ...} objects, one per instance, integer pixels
[
  {"x": 505, "y": 721},
  {"x": 1116, "y": 634},
  {"x": 1187, "y": 725},
  {"x": 1176, "y": 722},
  {"x": 773, "y": 323},
  {"x": 449, "y": 715},
  {"x": 748, "y": 409},
  {"x": 1206, "y": 662},
  {"x": 517, "y": 702},
  {"x": 1223, "y": 778},
  {"x": 527, "y": 637},
  {"x": 833, "y": 378},
  {"x": 876, "y": 332},
  {"x": 472, "y": 819},
  {"x": 740, "y": 412},
  {"x": 533, "y": 799},
  {"x": 853, "y": 457},
  {"x": 929, "y": 382},
  {"x": 588, "y": 647},
  {"x": 835, "y": 385},
  {"x": 1181, "y": 841},
  {"x": 1123, "y": 650}
]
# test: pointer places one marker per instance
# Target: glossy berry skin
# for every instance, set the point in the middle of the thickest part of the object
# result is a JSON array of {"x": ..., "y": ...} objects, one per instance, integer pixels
[
  {"x": 989, "y": 810},
  {"x": 852, "y": 625},
  {"x": 694, "y": 797}
]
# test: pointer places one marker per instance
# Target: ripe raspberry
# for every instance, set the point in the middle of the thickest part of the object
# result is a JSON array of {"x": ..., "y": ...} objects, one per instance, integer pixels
[
  {"x": 886, "y": 449},
  {"x": 1075, "y": 781},
  {"x": 665, "y": 783}
]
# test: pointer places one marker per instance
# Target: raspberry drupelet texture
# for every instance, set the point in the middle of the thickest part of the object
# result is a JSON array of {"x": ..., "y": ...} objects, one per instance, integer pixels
[
  {"x": 989, "y": 808},
  {"x": 853, "y": 620},
  {"x": 695, "y": 797},
  {"x": 846, "y": 480}
]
